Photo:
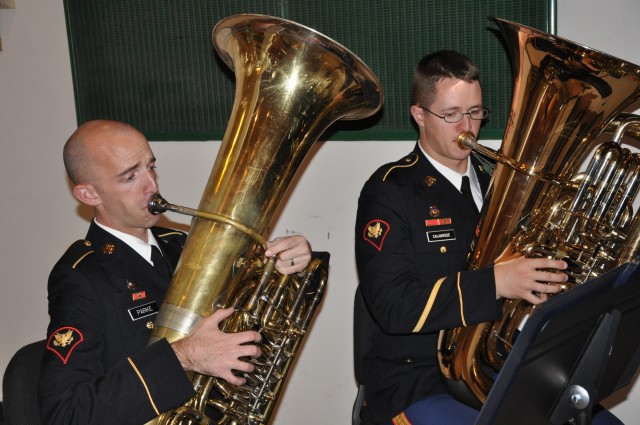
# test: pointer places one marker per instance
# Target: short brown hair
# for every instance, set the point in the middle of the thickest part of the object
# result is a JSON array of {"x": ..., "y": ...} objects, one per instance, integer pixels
[{"x": 436, "y": 66}]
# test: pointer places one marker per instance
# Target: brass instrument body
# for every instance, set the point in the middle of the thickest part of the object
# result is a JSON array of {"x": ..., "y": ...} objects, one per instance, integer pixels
[
  {"x": 291, "y": 84},
  {"x": 538, "y": 204}
]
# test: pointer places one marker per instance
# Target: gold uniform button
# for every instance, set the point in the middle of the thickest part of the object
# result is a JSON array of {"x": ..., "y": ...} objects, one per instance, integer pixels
[
  {"x": 87, "y": 243},
  {"x": 151, "y": 325},
  {"x": 443, "y": 249},
  {"x": 408, "y": 360}
]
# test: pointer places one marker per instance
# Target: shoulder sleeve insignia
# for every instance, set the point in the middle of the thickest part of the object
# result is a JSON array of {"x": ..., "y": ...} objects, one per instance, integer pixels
[
  {"x": 64, "y": 341},
  {"x": 375, "y": 233}
]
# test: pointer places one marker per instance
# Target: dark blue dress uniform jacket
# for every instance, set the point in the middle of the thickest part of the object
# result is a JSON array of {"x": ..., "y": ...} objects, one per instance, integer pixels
[
  {"x": 414, "y": 230},
  {"x": 98, "y": 369}
]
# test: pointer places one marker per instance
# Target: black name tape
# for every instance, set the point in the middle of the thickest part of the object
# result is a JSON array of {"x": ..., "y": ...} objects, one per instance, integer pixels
[
  {"x": 144, "y": 310},
  {"x": 441, "y": 235}
]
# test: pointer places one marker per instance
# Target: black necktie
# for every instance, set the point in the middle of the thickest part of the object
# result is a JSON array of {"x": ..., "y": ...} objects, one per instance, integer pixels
[
  {"x": 466, "y": 192},
  {"x": 159, "y": 263}
]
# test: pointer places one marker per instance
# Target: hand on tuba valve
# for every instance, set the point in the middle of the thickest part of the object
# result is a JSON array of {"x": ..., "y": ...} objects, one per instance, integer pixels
[
  {"x": 530, "y": 279},
  {"x": 294, "y": 253},
  {"x": 209, "y": 351}
]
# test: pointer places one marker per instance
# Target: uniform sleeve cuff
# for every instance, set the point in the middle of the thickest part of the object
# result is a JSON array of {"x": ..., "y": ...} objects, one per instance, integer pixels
[
  {"x": 479, "y": 291},
  {"x": 160, "y": 372}
]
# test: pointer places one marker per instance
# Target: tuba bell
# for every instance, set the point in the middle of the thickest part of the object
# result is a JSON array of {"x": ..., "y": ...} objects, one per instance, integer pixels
[
  {"x": 567, "y": 99},
  {"x": 291, "y": 84}
]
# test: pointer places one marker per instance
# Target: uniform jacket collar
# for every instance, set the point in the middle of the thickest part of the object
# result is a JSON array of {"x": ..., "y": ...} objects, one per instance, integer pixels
[
  {"x": 119, "y": 258},
  {"x": 427, "y": 169}
]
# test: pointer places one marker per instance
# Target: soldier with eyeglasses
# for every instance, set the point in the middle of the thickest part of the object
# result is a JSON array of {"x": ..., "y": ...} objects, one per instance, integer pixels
[{"x": 415, "y": 223}]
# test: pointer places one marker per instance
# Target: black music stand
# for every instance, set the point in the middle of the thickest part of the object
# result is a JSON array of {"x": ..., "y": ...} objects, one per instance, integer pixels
[{"x": 575, "y": 350}]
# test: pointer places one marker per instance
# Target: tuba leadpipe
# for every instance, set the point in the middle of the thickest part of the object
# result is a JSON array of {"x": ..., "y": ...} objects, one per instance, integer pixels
[
  {"x": 159, "y": 205},
  {"x": 291, "y": 84},
  {"x": 567, "y": 98}
]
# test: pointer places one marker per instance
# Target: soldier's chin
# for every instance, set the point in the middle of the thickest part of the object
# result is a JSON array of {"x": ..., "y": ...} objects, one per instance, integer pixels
[
  {"x": 463, "y": 153},
  {"x": 152, "y": 219}
]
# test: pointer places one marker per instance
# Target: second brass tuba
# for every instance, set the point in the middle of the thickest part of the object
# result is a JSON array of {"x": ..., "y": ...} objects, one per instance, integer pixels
[
  {"x": 567, "y": 97},
  {"x": 291, "y": 84}
]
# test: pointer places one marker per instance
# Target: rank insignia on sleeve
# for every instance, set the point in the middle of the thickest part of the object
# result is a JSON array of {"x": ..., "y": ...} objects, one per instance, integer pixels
[
  {"x": 64, "y": 341},
  {"x": 375, "y": 233}
]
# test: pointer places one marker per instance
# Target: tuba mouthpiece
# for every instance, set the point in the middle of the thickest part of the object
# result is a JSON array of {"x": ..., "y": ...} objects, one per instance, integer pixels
[
  {"x": 157, "y": 204},
  {"x": 466, "y": 140}
]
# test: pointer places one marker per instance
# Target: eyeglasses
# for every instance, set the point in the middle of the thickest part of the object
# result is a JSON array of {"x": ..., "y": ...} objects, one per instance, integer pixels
[{"x": 453, "y": 117}]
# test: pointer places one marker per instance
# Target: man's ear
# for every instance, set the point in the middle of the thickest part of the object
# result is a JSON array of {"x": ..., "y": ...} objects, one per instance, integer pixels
[
  {"x": 86, "y": 194},
  {"x": 418, "y": 115}
]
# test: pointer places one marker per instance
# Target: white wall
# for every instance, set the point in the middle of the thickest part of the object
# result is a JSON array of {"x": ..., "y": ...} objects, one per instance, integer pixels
[{"x": 39, "y": 218}]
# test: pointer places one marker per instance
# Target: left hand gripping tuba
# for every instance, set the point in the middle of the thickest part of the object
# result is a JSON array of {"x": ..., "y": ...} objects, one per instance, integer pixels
[
  {"x": 567, "y": 99},
  {"x": 291, "y": 84}
]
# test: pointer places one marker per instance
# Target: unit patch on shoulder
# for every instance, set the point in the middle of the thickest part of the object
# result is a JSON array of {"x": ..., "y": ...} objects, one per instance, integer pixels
[
  {"x": 375, "y": 233},
  {"x": 64, "y": 341}
]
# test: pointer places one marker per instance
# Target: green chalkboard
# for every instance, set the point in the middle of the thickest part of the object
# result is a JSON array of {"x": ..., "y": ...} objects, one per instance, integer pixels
[{"x": 152, "y": 63}]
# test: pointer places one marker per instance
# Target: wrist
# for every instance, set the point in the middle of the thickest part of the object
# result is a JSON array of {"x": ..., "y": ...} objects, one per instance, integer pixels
[{"x": 181, "y": 353}]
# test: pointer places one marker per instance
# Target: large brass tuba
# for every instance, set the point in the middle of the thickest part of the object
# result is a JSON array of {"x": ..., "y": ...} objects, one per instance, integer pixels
[
  {"x": 291, "y": 84},
  {"x": 539, "y": 204}
]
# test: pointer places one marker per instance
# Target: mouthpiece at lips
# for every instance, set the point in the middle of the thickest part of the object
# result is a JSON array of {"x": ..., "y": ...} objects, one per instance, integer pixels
[
  {"x": 466, "y": 140},
  {"x": 157, "y": 204}
]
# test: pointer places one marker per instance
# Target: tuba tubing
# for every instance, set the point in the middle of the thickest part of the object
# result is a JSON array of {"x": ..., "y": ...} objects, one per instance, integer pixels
[
  {"x": 565, "y": 97},
  {"x": 291, "y": 84}
]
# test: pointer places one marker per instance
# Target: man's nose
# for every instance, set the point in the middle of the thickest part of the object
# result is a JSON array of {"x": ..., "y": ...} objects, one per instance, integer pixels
[
  {"x": 466, "y": 122},
  {"x": 153, "y": 182}
]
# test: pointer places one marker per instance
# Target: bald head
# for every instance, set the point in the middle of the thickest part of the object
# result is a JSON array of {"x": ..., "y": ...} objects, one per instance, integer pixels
[
  {"x": 81, "y": 153},
  {"x": 113, "y": 170}
]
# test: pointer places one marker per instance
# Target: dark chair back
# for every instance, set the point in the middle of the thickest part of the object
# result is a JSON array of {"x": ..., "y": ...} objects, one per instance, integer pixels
[
  {"x": 363, "y": 328},
  {"x": 20, "y": 386}
]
